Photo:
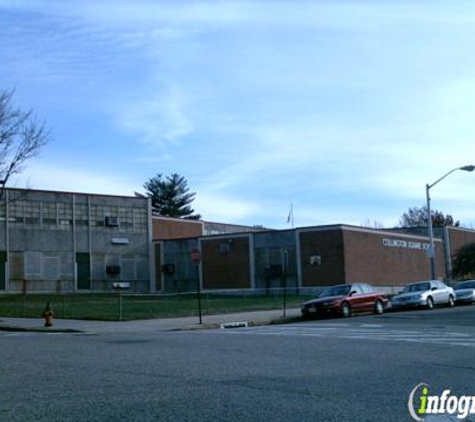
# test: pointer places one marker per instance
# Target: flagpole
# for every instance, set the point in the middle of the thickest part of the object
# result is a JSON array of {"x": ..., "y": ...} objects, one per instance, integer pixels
[
  {"x": 290, "y": 218},
  {"x": 292, "y": 205}
]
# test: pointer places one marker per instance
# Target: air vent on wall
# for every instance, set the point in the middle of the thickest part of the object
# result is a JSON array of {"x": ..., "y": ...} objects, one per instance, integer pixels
[
  {"x": 168, "y": 268},
  {"x": 224, "y": 248},
  {"x": 112, "y": 221},
  {"x": 113, "y": 269}
]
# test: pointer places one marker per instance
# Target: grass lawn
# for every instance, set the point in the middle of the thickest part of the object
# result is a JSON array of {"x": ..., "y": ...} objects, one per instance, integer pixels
[{"x": 105, "y": 307}]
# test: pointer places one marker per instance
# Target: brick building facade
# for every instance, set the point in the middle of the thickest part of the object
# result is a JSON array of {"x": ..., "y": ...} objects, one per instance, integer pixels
[{"x": 304, "y": 258}]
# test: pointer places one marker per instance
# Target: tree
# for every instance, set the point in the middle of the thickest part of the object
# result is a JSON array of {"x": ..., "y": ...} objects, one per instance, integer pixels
[
  {"x": 171, "y": 196},
  {"x": 372, "y": 224},
  {"x": 21, "y": 137},
  {"x": 463, "y": 264},
  {"x": 417, "y": 217}
]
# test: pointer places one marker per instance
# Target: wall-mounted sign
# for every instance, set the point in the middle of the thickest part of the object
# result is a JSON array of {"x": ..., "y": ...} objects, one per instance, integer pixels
[
  {"x": 315, "y": 260},
  {"x": 398, "y": 243},
  {"x": 195, "y": 256},
  {"x": 120, "y": 241}
]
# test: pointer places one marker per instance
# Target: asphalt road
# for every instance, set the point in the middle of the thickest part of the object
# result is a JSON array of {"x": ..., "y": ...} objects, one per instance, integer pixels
[{"x": 357, "y": 369}]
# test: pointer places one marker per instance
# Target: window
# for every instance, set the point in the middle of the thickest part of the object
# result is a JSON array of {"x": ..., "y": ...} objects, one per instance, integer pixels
[
  {"x": 111, "y": 215},
  {"x": 65, "y": 216},
  {"x": 357, "y": 288},
  {"x": 49, "y": 215},
  {"x": 126, "y": 218},
  {"x": 112, "y": 221},
  {"x": 2, "y": 211},
  {"x": 82, "y": 218},
  {"x": 342, "y": 290},
  {"x": 97, "y": 216},
  {"x": 140, "y": 219},
  {"x": 32, "y": 213},
  {"x": 17, "y": 214},
  {"x": 367, "y": 288}
]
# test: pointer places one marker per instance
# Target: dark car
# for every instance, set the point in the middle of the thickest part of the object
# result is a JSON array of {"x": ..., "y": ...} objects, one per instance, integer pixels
[
  {"x": 345, "y": 299},
  {"x": 465, "y": 291}
]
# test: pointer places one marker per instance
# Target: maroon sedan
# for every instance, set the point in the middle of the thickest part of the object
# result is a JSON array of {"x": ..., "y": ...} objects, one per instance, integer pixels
[{"x": 346, "y": 299}]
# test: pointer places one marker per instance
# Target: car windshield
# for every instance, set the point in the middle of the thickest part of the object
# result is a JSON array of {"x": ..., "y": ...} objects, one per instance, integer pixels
[
  {"x": 465, "y": 285},
  {"x": 419, "y": 287},
  {"x": 336, "y": 291}
]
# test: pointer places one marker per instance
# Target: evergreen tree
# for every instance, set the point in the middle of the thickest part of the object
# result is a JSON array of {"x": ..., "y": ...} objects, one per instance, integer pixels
[
  {"x": 464, "y": 262},
  {"x": 171, "y": 196}
]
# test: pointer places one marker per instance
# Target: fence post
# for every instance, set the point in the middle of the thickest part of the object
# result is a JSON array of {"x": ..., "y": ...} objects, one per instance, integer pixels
[{"x": 24, "y": 290}]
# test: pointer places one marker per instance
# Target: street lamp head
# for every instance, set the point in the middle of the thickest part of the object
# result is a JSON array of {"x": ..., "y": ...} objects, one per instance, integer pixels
[{"x": 468, "y": 168}]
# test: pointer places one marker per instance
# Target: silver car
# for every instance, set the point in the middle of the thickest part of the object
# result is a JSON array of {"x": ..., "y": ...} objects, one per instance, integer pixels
[
  {"x": 465, "y": 291},
  {"x": 424, "y": 293}
]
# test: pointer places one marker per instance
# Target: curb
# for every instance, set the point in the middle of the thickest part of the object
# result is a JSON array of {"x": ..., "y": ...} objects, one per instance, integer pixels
[
  {"x": 38, "y": 330},
  {"x": 195, "y": 327},
  {"x": 251, "y": 323}
]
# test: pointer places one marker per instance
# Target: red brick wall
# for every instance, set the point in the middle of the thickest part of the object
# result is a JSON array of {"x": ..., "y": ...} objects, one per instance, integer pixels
[
  {"x": 458, "y": 238},
  {"x": 328, "y": 245},
  {"x": 176, "y": 229},
  {"x": 225, "y": 263},
  {"x": 368, "y": 260}
]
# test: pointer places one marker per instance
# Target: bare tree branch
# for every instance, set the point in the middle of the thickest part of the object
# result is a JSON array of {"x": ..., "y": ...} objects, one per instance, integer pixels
[{"x": 22, "y": 136}]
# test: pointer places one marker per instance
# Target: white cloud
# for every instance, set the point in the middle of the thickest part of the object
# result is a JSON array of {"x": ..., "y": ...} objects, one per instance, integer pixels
[
  {"x": 158, "y": 120},
  {"x": 222, "y": 207},
  {"x": 362, "y": 111},
  {"x": 44, "y": 176}
]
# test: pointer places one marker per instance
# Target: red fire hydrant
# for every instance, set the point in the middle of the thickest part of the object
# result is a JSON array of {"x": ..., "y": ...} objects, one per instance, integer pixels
[{"x": 48, "y": 315}]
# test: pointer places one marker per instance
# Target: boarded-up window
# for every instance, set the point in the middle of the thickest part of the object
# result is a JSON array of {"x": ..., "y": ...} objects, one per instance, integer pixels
[
  {"x": 50, "y": 268},
  {"x": 98, "y": 267},
  {"x": 16, "y": 266},
  {"x": 66, "y": 270},
  {"x": 128, "y": 267},
  {"x": 33, "y": 265},
  {"x": 141, "y": 266}
]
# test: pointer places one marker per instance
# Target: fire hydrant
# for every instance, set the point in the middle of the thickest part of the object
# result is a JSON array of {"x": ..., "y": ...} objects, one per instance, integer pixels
[{"x": 48, "y": 315}]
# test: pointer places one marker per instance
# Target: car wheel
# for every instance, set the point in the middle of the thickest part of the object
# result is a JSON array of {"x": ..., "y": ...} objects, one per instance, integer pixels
[
  {"x": 378, "y": 307},
  {"x": 345, "y": 310},
  {"x": 430, "y": 303},
  {"x": 451, "y": 302}
]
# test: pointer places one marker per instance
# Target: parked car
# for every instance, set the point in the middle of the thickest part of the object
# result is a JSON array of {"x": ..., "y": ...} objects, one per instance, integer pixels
[
  {"x": 465, "y": 291},
  {"x": 344, "y": 299},
  {"x": 424, "y": 293}
]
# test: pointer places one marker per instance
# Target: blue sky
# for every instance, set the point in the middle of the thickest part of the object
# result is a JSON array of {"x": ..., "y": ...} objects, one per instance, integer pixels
[{"x": 345, "y": 108}]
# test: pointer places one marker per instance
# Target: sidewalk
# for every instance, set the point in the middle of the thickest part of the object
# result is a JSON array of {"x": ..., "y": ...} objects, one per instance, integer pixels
[{"x": 147, "y": 325}]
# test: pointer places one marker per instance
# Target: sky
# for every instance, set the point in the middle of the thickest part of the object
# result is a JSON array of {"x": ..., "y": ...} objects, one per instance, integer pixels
[{"x": 346, "y": 109}]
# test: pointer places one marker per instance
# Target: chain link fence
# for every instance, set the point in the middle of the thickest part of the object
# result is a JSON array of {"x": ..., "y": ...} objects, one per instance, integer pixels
[{"x": 125, "y": 306}]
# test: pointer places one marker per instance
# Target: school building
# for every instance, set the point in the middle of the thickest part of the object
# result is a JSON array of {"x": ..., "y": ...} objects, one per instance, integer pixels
[{"x": 306, "y": 258}]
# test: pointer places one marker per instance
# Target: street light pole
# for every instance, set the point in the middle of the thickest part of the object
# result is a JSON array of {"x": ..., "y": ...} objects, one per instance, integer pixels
[{"x": 431, "y": 251}]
